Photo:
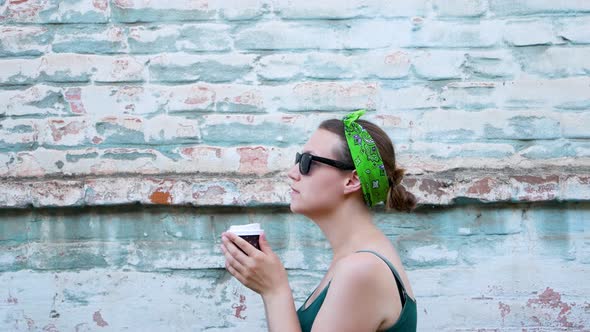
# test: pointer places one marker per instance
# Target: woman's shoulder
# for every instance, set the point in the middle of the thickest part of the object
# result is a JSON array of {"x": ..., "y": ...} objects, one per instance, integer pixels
[
  {"x": 386, "y": 264},
  {"x": 362, "y": 280},
  {"x": 359, "y": 268},
  {"x": 355, "y": 279}
]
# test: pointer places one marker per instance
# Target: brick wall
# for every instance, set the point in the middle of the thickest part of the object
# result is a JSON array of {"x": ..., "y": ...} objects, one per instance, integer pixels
[{"x": 106, "y": 104}]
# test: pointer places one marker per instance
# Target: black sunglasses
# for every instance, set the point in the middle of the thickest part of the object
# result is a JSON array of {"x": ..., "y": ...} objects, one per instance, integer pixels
[{"x": 305, "y": 159}]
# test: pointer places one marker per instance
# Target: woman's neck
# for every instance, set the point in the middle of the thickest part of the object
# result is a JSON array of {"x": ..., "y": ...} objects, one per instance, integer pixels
[{"x": 348, "y": 228}]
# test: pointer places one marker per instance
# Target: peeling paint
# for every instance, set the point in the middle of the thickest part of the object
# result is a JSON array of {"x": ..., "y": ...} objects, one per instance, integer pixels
[
  {"x": 50, "y": 328},
  {"x": 432, "y": 187},
  {"x": 409, "y": 182},
  {"x": 59, "y": 128},
  {"x": 504, "y": 310},
  {"x": 30, "y": 323},
  {"x": 161, "y": 197},
  {"x": 533, "y": 188},
  {"x": 551, "y": 299},
  {"x": 253, "y": 160},
  {"x": 200, "y": 95},
  {"x": 389, "y": 120},
  {"x": 252, "y": 97},
  {"x": 97, "y": 318},
  {"x": 100, "y": 4},
  {"x": 537, "y": 179},
  {"x": 202, "y": 152},
  {"x": 74, "y": 97},
  {"x": 214, "y": 193},
  {"x": 397, "y": 58},
  {"x": 27, "y": 11},
  {"x": 240, "y": 307},
  {"x": 481, "y": 187},
  {"x": 11, "y": 299}
]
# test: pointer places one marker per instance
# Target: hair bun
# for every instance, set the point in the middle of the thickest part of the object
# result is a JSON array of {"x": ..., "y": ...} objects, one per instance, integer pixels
[
  {"x": 398, "y": 197},
  {"x": 398, "y": 175}
]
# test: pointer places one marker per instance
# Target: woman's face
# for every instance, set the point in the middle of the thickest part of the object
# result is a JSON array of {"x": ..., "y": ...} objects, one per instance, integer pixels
[{"x": 320, "y": 190}]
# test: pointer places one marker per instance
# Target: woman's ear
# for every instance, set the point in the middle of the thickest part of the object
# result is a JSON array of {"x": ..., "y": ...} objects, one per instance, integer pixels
[{"x": 353, "y": 183}]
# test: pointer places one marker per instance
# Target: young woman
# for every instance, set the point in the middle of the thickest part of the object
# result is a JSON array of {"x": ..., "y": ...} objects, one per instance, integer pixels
[{"x": 345, "y": 168}]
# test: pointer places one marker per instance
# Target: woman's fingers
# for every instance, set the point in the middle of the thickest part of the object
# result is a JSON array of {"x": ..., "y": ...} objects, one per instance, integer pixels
[
  {"x": 264, "y": 246},
  {"x": 246, "y": 247},
  {"x": 238, "y": 270},
  {"x": 233, "y": 250},
  {"x": 230, "y": 259},
  {"x": 235, "y": 273}
]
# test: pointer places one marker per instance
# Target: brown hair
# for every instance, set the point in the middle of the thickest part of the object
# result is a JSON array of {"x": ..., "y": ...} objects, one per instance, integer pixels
[{"x": 397, "y": 198}]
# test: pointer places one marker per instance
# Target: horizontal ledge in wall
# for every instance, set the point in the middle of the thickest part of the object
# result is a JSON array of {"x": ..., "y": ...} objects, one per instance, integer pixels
[{"x": 443, "y": 188}]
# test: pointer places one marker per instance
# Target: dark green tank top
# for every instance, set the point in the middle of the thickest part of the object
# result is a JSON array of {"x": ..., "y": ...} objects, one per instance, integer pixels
[{"x": 407, "y": 320}]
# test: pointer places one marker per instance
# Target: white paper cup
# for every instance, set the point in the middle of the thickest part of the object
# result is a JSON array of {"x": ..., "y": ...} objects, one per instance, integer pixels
[{"x": 250, "y": 232}]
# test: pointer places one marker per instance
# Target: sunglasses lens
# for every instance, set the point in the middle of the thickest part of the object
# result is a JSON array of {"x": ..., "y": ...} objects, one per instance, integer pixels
[
  {"x": 304, "y": 163},
  {"x": 298, "y": 160}
]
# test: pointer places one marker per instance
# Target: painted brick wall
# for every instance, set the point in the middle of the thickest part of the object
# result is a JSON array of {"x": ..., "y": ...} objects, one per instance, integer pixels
[
  {"x": 203, "y": 103},
  {"x": 509, "y": 267}
]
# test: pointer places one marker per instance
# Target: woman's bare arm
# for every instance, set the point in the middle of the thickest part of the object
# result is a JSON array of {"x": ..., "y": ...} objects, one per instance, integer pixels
[{"x": 280, "y": 311}]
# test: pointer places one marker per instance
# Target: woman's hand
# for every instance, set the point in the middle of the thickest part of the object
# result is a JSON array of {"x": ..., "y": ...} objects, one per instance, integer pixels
[{"x": 260, "y": 270}]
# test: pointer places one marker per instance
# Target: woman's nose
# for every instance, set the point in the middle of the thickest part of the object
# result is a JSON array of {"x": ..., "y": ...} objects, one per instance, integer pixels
[{"x": 294, "y": 172}]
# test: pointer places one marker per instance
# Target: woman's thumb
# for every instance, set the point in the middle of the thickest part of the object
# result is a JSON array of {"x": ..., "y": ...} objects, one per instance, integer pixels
[{"x": 264, "y": 246}]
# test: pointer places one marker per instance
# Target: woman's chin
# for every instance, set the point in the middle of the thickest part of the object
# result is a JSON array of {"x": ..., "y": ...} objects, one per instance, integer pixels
[
  {"x": 296, "y": 207},
  {"x": 293, "y": 207}
]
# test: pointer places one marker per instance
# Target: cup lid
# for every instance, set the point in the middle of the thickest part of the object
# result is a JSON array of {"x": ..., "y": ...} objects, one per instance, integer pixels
[{"x": 248, "y": 229}]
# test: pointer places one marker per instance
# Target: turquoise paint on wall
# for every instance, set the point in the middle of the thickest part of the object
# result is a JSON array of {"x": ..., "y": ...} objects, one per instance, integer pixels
[{"x": 472, "y": 256}]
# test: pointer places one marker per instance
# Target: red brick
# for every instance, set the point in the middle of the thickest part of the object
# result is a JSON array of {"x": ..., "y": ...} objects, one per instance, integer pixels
[
  {"x": 253, "y": 160},
  {"x": 161, "y": 197}
]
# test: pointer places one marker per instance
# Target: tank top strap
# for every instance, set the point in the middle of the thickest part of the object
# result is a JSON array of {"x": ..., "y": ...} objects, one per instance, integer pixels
[{"x": 396, "y": 275}]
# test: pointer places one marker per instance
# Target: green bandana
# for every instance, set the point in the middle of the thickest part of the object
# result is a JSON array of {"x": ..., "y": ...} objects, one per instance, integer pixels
[{"x": 367, "y": 160}]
